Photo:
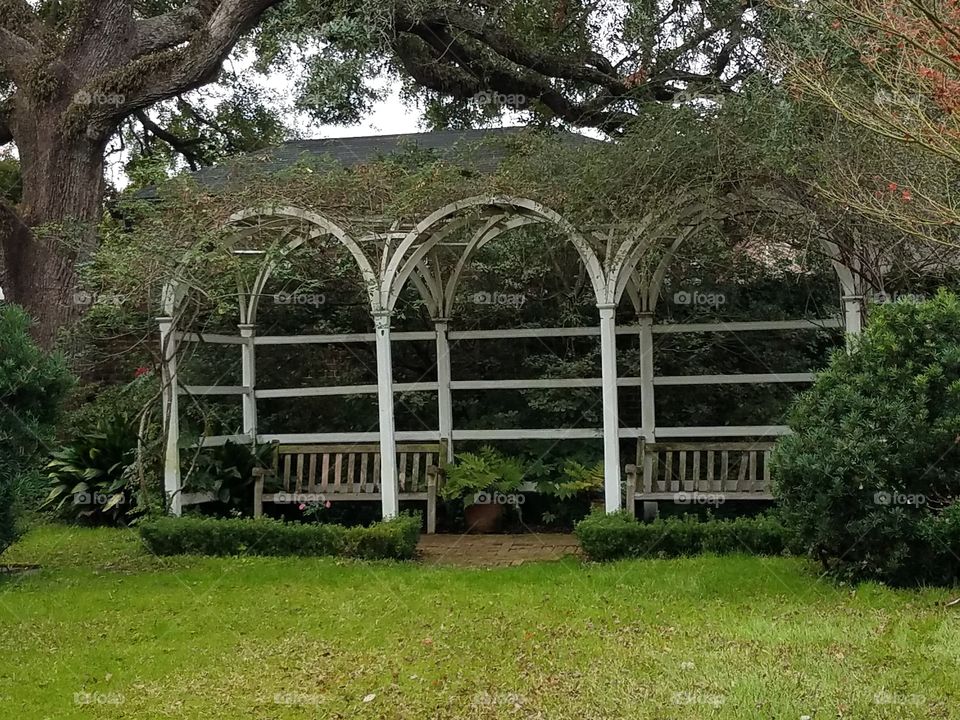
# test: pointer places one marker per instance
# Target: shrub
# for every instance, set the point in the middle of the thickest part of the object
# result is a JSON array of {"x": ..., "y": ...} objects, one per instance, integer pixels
[
  {"x": 227, "y": 472},
  {"x": 873, "y": 460},
  {"x": 93, "y": 476},
  {"x": 33, "y": 384},
  {"x": 391, "y": 539},
  {"x": 620, "y": 535}
]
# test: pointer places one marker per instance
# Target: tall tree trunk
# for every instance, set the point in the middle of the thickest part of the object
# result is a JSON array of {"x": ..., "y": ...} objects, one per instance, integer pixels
[{"x": 56, "y": 228}]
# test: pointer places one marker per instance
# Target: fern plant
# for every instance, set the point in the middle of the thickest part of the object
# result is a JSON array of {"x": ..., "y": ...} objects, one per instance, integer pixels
[
  {"x": 578, "y": 478},
  {"x": 484, "y": 472}
]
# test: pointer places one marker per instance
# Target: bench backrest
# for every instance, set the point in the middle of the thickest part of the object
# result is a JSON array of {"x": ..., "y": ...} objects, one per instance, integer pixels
[
  {"x": 350, "y": 468},
  {"x": 741, "y": 467}
]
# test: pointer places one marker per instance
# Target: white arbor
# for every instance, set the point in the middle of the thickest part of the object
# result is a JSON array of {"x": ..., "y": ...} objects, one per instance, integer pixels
[{"x": 611, "y": 260}]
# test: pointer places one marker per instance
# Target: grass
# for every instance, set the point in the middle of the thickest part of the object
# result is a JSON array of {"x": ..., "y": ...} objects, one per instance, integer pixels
[{"x": 106, "y": 631}]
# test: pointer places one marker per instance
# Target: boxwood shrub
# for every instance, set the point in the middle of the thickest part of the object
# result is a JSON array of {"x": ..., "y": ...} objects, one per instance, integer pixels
[
  {"x": 869, "y": 476},
  {"x": 620, "y": 535},
  {"x": 391, "y": 539}
]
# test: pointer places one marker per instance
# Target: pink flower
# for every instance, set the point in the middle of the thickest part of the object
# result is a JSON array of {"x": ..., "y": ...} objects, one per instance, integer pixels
[
  {"x": 327, "y": 504},
  {"x": 302, "y": 506},
  {"x": 141, "y": 371}
]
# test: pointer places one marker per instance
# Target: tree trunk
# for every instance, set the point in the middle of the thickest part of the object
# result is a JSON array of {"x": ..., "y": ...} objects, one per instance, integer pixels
[{"x": 56, "y": 224}]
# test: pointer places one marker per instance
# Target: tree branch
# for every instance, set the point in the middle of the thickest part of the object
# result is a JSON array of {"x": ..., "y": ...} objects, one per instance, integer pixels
[
  {"x": 185, "y": 67},
  {"x": 166, "y": 31},
  {"x": 16, "y": 56},
  {"x": 180, "y": 145}
]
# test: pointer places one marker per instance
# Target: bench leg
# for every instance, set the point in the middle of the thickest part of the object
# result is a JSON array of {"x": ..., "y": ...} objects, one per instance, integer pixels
[
  {"x": 258, "y": 497},
  {"x": 651, "y": 511},
  {"x": 431, "y": 503},
  {"x": 631, "y": 490}
]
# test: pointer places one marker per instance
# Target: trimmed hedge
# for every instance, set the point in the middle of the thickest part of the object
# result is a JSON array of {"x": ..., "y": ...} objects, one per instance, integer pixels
[
  {"x": 620, "y": 535},
  {"x": 394, "y": 539}
]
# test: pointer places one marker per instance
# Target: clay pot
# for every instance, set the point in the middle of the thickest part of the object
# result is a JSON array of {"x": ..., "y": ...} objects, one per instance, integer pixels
[{"x": 483, "y": 517}]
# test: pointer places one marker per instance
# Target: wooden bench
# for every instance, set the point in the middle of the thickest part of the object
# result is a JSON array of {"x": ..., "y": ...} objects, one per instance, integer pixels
[
  {"x": 698, "y": 473},
  {"x": 337, "y": 473}
]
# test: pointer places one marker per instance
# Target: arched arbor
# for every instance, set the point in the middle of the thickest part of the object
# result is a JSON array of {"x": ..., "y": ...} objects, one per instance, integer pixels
[{"x": 627, "y": 259}]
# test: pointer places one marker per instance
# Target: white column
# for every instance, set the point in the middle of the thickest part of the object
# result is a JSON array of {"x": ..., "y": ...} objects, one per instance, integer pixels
[
  {"x": 249, "y": 370},
  {"x": 388, "y": 442},
  {"x": 852, "y": 315},
  {"x": 171, "y": 464},
  {"x": 444, "y": 395},
  {"x": 648, "y": 415},
  {"x": 611, "y": 422}
]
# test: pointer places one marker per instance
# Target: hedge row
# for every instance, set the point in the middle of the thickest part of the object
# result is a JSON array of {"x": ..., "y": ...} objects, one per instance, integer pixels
[
  {"x": 392, "y": 539},
  {"x": 620, "y": 535}
]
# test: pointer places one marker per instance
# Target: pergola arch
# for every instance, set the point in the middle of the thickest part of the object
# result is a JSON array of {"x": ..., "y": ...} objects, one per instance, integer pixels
[
  {"x": 320, "y": 227},
  {"x": 401, "y": 266}
]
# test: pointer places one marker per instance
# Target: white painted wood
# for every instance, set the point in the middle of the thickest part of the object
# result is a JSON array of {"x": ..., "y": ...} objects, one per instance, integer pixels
[
  {"x": 723, "y": 431},
  {"x": 744, "y": 379},
  {"x": 749, "y": 326},
  {"x": 210, "y": 338},
  {"x": 507, "y": 333},
  {"x": 388, "y": 443},
  {"x": 249, "y": 378},
  {"x": 853, "y": 315},
  {"x": 648, "y": 414},
  {"x": 339, "y": 338},
  {"x": 338, "y": 390},
  {"x": 444, "y": 386},
  {"x": 611, "y": 415},
  {"x": 171, "y": 461},
  {"x": 526, "y": 384},
  {"x": 211, "y": 390},
  {"x": 529, "y": 434},
  {"x": 346, "y": 437}
]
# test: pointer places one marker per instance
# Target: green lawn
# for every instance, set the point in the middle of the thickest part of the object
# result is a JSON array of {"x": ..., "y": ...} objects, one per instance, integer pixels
[{"x": 106, "y": 631}]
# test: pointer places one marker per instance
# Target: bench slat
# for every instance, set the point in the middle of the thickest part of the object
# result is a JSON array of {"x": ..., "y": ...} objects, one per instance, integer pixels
[{"x": 312, "y": 474}]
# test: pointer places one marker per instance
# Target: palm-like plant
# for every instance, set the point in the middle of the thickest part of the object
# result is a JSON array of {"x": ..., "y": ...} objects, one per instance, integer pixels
[{"x": 93, "y": 477}]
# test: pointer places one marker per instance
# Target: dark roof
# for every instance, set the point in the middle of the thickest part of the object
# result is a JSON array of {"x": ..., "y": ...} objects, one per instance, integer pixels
[{"x": 370, "y": 148}]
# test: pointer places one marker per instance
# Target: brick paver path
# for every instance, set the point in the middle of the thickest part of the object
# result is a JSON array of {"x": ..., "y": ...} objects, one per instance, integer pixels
[{"x": 495, "y": 550}]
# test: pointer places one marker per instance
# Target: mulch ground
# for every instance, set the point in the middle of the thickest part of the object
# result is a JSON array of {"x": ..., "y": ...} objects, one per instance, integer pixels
[{"x": 495, "y": 550}]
